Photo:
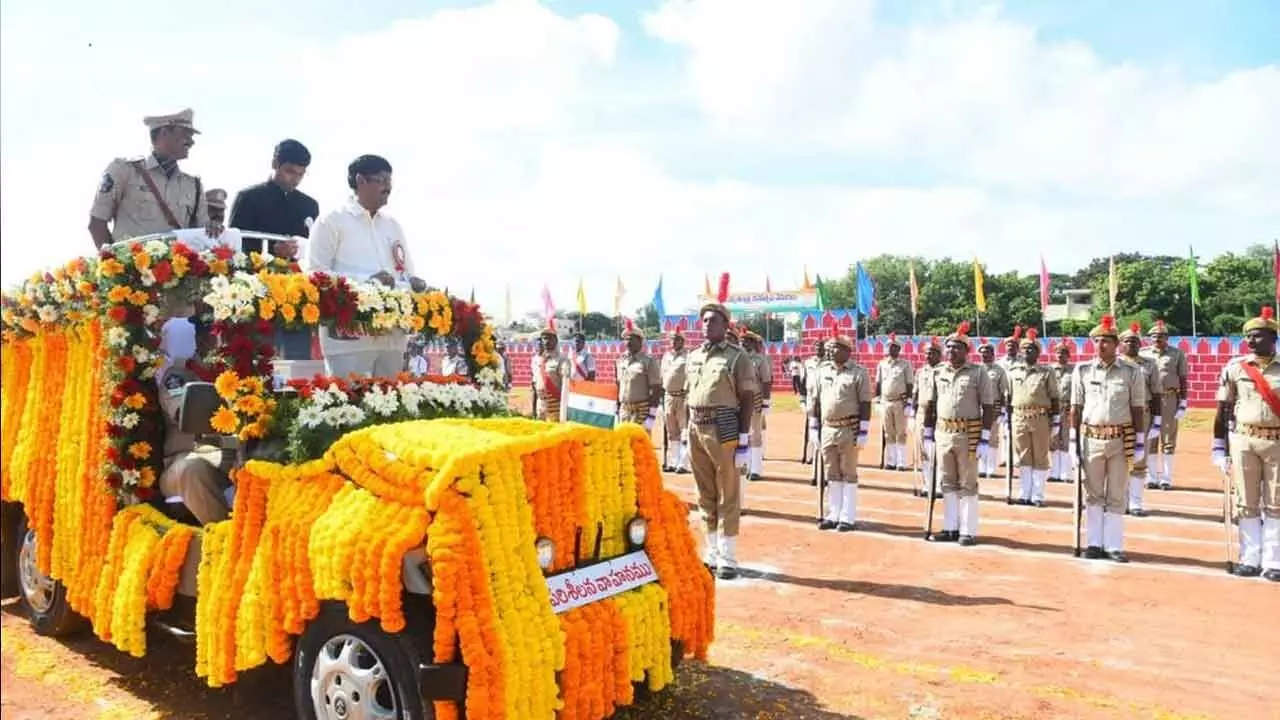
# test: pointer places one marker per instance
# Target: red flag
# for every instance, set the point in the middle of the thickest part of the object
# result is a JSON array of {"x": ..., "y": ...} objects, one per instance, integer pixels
[
  {"x": 1044, "y": 285},
  {"x": 548, "y": 307}
]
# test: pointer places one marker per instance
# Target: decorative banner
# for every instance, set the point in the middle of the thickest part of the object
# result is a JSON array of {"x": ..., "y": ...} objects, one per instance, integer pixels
[{"x": 780, "y": 301}]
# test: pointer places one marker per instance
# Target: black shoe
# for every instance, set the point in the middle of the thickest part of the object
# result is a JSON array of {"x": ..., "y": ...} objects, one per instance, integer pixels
[
  {"x": 1117, "y": 556},
  {"x": 1093, "y": 552},
  {"x": 1138, "y": 512},
  {"x": 968, "y": 540},
  {"x": 753, "y": 477},
  {"x": 683, "y": 471},
  {"x": 845, "y": 527},
  {"x": 1054, "y": 479},
  {"x": 946, "y": 536},
  {"x": 1246, "y": 571},
  {"x": 1166, "y": 486},
  {"x": 1021, "y": 501},
  {"x": 1272, "y": 575},
  {"x": 1153, "y": 485},
  {"x": 828, "y": 525},
  {"x": 727, "y": 572},
  {"x": 1038, "y": 503},
  {"x": 668, "y": 468}
]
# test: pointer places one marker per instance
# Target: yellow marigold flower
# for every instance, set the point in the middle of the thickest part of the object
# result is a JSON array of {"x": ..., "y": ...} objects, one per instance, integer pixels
[
  {"x": 84, "y": 287},
  {"x": 266, "y": 308},
  {"x": 288, "y": 312},
  {"x": 140, "y": 449},
  {"x": 227, "y": 384},
  {"x": 250, "y": 405},
  {"x": 110, "y": 267},
  {"x": 224, "y": 421},
  {"x": 252, "y": 384},
  {"x": 180, "y": 265},
  {"x": 311, "y": 313},
  {"x": 219, "y": 267},
  {"x": 139, "y": 298},
  {"x": 147, "y": 477},
  {"x": 142, "y": 260},
  {"x": 119, "y": 294},
  {"x": 136, "y": 401},
  {"x": 30, "y": 325}
]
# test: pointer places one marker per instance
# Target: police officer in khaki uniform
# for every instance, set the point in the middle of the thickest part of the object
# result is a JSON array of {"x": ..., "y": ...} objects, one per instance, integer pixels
[
  {"x": 1171, "y": 378},
  {"x": 809, "y": 381},
  {"x": 550, "y": 372},
  {"x": 1035, "y": 400},
  {"x": 216, "y": 199},
  {"x": 676, "y": 410},
  {"x": 145, "y": 195},
  {"x": 195, "y": 473},
  {"x": 843, "y": 402},
  {"x": 639, "y": 382},
  {"x": 932, "y": 357},
  {"x": 1060, "y": 464},
  {"x": 1131, "y": 351},
  {"x": 1108, "y": 402},
  {"x": 989, "y": 460},
  {"x": 1249, "y": 408},
  {"x": 721, "y": 386},
  {"x": 763, "y": 364},
  {"x": 894, "y": 381},
  {"x": 960, "y": 407}
]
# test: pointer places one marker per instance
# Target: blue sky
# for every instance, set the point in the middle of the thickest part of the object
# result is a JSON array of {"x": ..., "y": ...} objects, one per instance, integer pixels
[{"x": 546, "y": 142}]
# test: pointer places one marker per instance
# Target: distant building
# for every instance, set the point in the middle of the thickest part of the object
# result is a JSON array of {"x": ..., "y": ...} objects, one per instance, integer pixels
[{"x": 1079, "y": 306}]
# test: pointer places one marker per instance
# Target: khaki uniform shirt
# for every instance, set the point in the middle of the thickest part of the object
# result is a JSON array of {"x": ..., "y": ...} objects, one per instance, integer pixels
[
  {"x": 925, "y": 377},
  {"x": 1063, "y": 374},
  {"x": 638, "y": 376},
  {"x": 1108, "y": 395},
  {"x": 1171, "y": 367},
  {"x": 556, "y": 367},
  {"x": 125, "y": 200},
  {"x": 764, "y": 372},
  {"x": 961, "y": 392},
  {"x": 1148, "y": 367},
  {"x": 810, "y": 375},
  {"x": 717, "y": 374},
  {"x": 894, "y": 377},
  {"x": 674, "y": 370},
  {"x": 842, "y": 390},
  {"x": 1033, "y": 385},
  {"x": 1237, "y": 389},
  {"x": 999, "y": 381}
]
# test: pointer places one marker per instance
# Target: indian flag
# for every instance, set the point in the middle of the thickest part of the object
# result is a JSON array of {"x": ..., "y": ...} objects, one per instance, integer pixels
[{"x": 592, "y": 403}]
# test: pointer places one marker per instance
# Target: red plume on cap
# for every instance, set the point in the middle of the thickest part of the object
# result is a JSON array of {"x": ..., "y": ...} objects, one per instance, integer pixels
[
  {"x": 1135, "y": 327},
  {"x": 1017, "y": 332},
  {"x": 963, "y": 329},
  {"x": 631, "y": 326},
  {"x": 722, "y": 290},
  {"x": 1109, "y": 323},
  {"x": 1159, "y": 325},
  {"x": 893, "y": 337},
  {"x": 1268, "y": 313},
  {"x": 1032, "y": 334}
]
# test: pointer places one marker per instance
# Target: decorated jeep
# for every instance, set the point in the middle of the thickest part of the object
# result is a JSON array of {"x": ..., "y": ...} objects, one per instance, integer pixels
[{"x": 411, "y": 548}]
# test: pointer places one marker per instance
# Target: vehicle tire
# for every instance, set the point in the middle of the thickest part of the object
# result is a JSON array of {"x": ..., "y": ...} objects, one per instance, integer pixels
[
  {"x": 347, "y": 670},
  {"x": 10, "y": 517},
  {"x": 41, "y": 597}
]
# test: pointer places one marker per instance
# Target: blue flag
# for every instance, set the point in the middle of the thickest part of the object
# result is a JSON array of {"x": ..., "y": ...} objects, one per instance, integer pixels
[
  {"x": 658, "y": 305},
  {"x": 866, "y": 292}
]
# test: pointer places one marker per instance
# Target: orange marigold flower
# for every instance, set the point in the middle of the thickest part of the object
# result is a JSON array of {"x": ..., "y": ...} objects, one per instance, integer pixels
[
  {"x": 139, "y": 297},
  {"x": 252, "y": 384},
  {"x": 147, "y": 477},
  {"x": 227, "y": 384},
  {"x": 110, "y": 267},
  {"x": 310, "y": 313},
  {"x": 224, "y": 421},
  {"x": 180, "y": 265},
  {"x": 266, "y": 308},
  {"x": 140, "y": 449},
  {"x": 119, "y": 294},
  {"x": 142, "y": 260},
  {"x": 288, "y": 312},
  {"x": 250, "y": 405},
  {"x": 136, "y": 401}
]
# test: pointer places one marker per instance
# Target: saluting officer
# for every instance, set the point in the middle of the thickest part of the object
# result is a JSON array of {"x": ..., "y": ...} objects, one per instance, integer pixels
[
  {"x": 1131, "y": 344},
  {"x": 1171, "y": 378},
  {"x": 959, "y": 406},
  {"x": 550, "y": 371},
  {"x": 763, "y": 366},
  {"x": 1034, "y": 390},
  {"x": 1108, "y": 402},
  {"x": 721, "y": 384},
  {"x": 894, "y": 380},
  {"x": 146, "y": 195},
  {"x": 639, "y": 382},
  {"x": 932, "y": 356},
  {"x": 809, "y": 380},
  {"x": 676, "y": 418},
  {"x": 1060, "y": 466},
  {"x": 843, "y": 401},
  {"x": 1249, "y": 407},
  {"x": 989, "y": 459}
]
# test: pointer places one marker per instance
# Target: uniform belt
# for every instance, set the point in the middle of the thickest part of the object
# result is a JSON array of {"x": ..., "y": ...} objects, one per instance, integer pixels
[
  {"x": 636, "y": 407},
  {"x": 958, "y": 424},
  {"x": 1170, "y": 391},
  {"x": 1106, "y": 432},
  {"x": 677, "y": 393},
  {"x": 898, "y": 398},
  {"x": 705, "y": 415},
  {"x": 844, "y": 422},
  {"x": 1260, "y": 432},
  {"x": 1030, "y": 410}
]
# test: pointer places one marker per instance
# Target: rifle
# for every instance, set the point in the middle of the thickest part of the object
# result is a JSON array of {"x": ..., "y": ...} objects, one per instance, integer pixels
[
  {"x": 1228, "y": 492},
  {"x": 1079, "y": 499},
  {"x": 665, "y": 432},
  {"x": 1008, "y": 495},
  {"x": 817, "y": 478},
  {"x": 932, "y": 482},
  {"x": 883, "y": 437}
]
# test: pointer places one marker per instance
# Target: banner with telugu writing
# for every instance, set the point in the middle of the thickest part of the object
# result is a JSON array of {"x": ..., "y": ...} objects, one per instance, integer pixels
[{"x": 778, "y": 301}]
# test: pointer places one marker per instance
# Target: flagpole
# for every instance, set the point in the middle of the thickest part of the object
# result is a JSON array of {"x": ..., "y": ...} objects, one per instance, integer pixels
[
  {"x": 913, "y": 325},
  {"x": 1193, "y": 320}
]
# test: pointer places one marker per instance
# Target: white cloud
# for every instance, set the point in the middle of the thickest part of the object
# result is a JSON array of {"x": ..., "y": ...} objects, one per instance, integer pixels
[{"x": 507, "y": 169}]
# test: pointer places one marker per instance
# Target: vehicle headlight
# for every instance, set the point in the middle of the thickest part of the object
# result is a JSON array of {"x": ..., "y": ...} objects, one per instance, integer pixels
[
  {"x": 546, "y": 553},
  {"x": 637, "y": 531}
]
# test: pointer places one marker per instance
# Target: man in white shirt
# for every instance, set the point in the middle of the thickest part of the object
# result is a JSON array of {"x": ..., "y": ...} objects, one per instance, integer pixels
[
  {"x": 581, "y": 362},
  {"x": 453, "y": 363},
  {"x": 416, "y": 362},
  {"x": 361, "y": 243}
]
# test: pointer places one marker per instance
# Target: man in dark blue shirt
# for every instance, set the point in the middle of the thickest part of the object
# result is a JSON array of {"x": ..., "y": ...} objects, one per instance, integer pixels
[{"x": 277, "y": 206}]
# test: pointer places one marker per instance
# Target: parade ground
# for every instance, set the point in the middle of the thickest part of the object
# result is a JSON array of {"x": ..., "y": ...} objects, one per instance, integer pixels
[{"x": 876, "y": 623}]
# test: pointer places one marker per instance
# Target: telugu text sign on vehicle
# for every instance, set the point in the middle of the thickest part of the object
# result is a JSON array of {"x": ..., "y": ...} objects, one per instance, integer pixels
[{"x": 600, "y": 581}]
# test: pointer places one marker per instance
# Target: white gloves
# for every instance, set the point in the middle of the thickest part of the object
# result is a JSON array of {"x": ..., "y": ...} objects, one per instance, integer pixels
[
  {"x": 648, "y": 421},
  {"x": 909, "y": 410},
  {"x": 927, "y": 441},
  {"x": 1139, "y": 449},
  {"x": 864, "y": 430},
  {"x": 813, "y": 423},
  {"x": 764, "y": 407},
  {"x": 740, "y": 454},
  {"x": 1182, "y": 409},
  {"x": 1219, "y": 455},
  {"x": 984, "y": 440},
  {"x": 1154, "y": 431}
]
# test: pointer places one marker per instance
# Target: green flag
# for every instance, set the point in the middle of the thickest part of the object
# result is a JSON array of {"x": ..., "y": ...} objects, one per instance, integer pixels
[
  {"x": 1195, "y": 280},
  {"x": 822, "y": 293}
]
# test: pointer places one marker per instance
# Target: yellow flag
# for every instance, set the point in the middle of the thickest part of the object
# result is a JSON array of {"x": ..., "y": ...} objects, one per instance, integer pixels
[
  {"x": 807, "y": 284},
  {"x": 582, "y": 300},
  {"x": 979, "y": 296},
  {"x": 1113, "y": 284},
  {"x": 706, "y": 286},
  {"x": 618, "y": 293}
]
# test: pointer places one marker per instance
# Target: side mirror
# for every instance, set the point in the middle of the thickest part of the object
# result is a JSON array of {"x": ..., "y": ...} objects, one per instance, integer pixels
[{"x": 199, "y": 403}]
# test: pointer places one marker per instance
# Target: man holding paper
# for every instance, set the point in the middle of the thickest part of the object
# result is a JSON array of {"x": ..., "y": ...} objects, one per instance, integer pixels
[{"x": 362, "y": 243}]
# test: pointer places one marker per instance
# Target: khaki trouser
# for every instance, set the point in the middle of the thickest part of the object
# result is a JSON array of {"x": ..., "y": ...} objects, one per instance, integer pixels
[
  {"x": 1256, "y": 465},
  {"x": 840, "y": 454},
  {"x": 1061, "y": 440},
  {"x": 957, "y": 464},
  {"x": 548, "y": 407},
  {"x": 716, "y": 476},
  {"x": 676, "y": 418},
  {"x": 895, "y": 422},
  {"x": 195, "y": 480},
  {"x": 1140, "y": 466},
  {"x": 633, "y": 412},
  {"x": 1031, "y": 441},
  {"x": 1168, "y": 440},
  {"x": 1106, "y": 474}
]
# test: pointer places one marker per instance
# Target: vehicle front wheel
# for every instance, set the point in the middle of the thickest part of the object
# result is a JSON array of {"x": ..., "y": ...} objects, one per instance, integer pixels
[
  {"x": 348, "y": 671},
  {"x": 43, "y": 598}
]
